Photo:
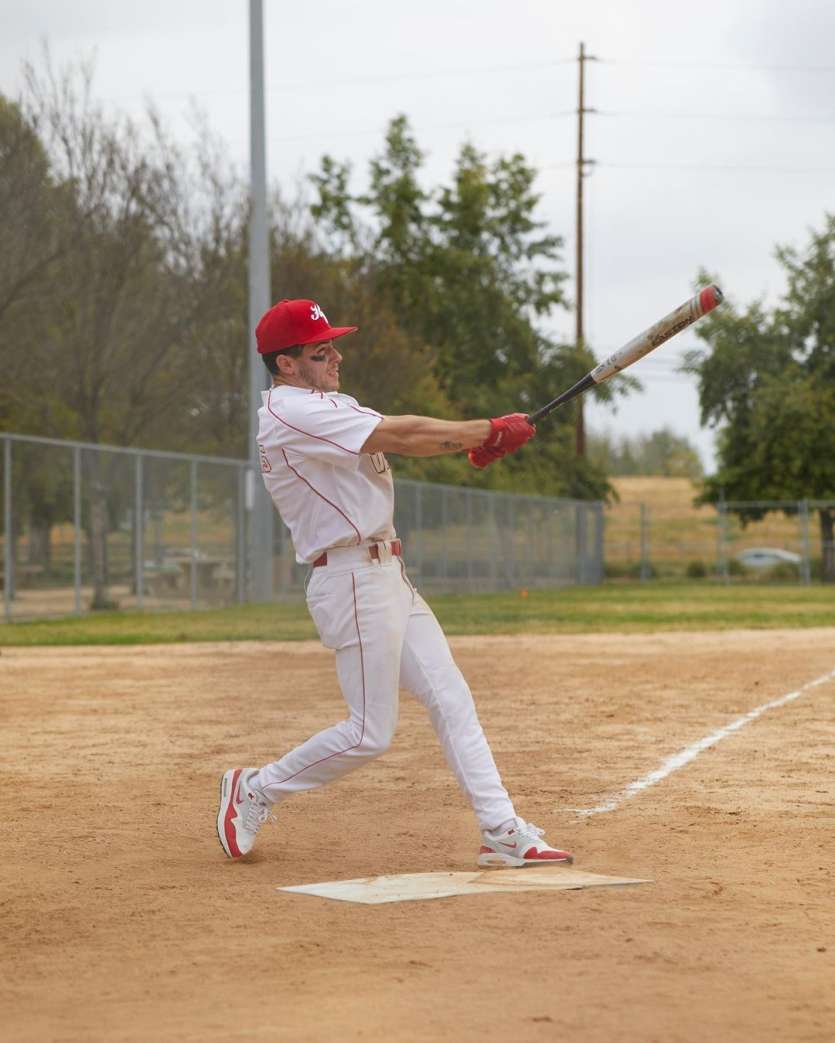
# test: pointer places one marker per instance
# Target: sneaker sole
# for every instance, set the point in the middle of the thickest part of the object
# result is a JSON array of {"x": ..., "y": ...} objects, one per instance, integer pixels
[
  {"x": 497, "y": 858},
  {"x": 226, "y": 790}
]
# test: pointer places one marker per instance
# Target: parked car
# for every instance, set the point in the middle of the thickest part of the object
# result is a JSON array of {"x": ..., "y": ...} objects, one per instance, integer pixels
[{"x": 766, "y": 557}]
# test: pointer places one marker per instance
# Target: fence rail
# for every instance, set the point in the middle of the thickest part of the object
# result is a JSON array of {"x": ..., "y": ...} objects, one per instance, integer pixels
[{"x": 93, "y": 526}]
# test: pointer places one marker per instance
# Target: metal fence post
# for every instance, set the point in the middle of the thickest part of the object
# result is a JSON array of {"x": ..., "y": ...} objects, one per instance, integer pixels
[
  {"x": 193, "y": 499},
  {"x": 445, "y": 536},
  {"x": 530, "y": 550},
  {"x": 494, "y": 543},
  {"x": 76, "y": 521},
  {"x": 240, "y": 543},
  {"x": 599, "y": 543},
  {"x": 722, "y": 541},
  {"x": 806, "y": 564},
  {"x": 511, "y": 526},
  {"x": 579, "y": 543},
  {"x": 138, "y": 540},
  {"x": 471, "y": 541},
  {"x": 645, "y": 562},
  {"x": 8, "y": 559}
]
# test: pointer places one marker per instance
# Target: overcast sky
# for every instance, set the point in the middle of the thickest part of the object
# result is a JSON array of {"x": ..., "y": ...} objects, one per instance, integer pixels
[{"x": 714, "y": 137}]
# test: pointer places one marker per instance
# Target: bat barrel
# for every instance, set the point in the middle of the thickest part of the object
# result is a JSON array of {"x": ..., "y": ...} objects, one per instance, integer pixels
[{"x": 685, "y": 315}]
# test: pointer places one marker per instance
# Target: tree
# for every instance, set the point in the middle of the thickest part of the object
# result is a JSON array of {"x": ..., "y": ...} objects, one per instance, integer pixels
[
  {"x": 660, "y": 453},
  {"x": 469, "y": 270},
  {"x": 33, "y": 209},
  {"x": 106, "y": 326},
  {"x": 767, "y": 380}
]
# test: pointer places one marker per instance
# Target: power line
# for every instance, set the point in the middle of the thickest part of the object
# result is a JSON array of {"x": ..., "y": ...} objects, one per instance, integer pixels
[
  {"x": 530, "y": 117},
  {"x": 359, "y": 81},
  {"x": 714, "y": 167},
  {"x": 424, "y": 74},
  {"x": 459, "y": 125},
  {"x": 688, "y": 64},
  {"x": 762, "y": 167},
  {"x": 751, "y": 117}
]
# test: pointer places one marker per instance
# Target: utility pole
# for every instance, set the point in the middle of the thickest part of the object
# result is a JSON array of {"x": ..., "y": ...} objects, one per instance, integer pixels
[
  {"x": 582, "y": 164},
  {"x": 259, "y": 505}
]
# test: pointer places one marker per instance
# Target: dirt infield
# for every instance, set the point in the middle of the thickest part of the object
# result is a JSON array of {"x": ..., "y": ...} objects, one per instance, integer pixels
[{"x": 122, "y": 920}]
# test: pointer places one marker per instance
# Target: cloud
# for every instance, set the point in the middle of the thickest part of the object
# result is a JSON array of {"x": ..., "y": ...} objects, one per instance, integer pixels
[{"x": 795, "y": 38}]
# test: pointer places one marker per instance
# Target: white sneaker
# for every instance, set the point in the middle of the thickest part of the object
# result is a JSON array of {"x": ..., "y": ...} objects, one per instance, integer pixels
[
  {"x": 243, "y": 811},
  {"x": 521, "y": 845}
]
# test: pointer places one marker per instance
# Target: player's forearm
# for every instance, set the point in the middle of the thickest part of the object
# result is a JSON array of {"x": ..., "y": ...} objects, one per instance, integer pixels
[{"x": 425, "y": 436}]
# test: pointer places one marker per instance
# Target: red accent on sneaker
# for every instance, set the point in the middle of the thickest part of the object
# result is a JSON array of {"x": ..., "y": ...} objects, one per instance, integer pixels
[
  {"x": 228, "y": 829},
  {"x": 544, "y": 856},
  {"x": 486, "y": 850}
]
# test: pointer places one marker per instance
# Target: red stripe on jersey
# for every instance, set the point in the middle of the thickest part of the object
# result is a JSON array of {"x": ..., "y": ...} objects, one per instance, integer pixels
[
  {"x": 313, "y": 489},
  {"x": 309, "y": 434},
  {"x": 366, "y": 412}
]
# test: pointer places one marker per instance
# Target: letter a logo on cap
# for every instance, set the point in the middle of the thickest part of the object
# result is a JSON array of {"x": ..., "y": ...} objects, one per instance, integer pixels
[{"x": 317, "y": 313}]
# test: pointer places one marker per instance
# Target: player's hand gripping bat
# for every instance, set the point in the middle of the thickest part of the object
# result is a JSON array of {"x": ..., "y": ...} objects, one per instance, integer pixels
[{"x": 685, "y": 315}]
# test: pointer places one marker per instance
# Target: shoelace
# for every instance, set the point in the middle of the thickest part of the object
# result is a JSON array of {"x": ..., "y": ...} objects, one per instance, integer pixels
[
  {"x": 528, "y": 831},
  {"x": 256, "y": 815}
]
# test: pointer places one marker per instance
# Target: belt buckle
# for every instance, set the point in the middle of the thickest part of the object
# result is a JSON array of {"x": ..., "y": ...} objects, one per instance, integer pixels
[{"x": 383, "y": 552}]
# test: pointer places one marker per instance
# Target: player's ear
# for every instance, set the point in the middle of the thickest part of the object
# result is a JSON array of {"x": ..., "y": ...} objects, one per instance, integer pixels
[{"x": 286, "y": 365}]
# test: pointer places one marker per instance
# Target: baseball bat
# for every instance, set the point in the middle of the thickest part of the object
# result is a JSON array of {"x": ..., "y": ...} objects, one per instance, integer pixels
[{"x": 683, "y": 316}]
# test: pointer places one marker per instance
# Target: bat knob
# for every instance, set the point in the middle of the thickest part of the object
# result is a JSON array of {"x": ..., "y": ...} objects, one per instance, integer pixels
[{"x": 709, "y": 298}]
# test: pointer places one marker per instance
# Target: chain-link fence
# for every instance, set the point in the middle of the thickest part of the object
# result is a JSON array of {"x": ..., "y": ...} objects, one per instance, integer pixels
[
  {"x": 753, "y": 541},
  {"x": 86, "y": 526}
]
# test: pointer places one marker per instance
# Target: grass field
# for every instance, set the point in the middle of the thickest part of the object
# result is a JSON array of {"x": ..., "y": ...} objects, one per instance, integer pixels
[{"x": 623, "y": 607}]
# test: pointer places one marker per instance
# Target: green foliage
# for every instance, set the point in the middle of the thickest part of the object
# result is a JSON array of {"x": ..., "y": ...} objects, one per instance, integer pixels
[
  {"x": 696, "y": 570},
  {"x": 767, "y": 379},
  {"x": 660, "y": 453},
  {"x": 784, "y": 572},
  {"x": 467, "y": 269},
  {"x": 736, "y": 568}
]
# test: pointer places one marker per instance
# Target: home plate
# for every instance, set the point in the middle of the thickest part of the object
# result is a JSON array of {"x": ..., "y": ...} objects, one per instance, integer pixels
[{"x": 411, "y": 887}]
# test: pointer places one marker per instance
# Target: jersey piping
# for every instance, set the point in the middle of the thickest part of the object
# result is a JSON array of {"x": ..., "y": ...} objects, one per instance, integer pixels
[
  {"x": 301, "y": 431},
  {"x": 366, "y": 412},
  {"x": 315, "y": 490}
]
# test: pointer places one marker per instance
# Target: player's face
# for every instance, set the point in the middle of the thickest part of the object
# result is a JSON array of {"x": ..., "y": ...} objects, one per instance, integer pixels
[{"x": 319, "y": 366}]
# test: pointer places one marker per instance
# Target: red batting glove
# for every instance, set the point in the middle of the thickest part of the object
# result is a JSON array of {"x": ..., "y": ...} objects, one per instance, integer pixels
[
  {"x": 481, "y": 456},
  {"x": 507, "y": 434}
]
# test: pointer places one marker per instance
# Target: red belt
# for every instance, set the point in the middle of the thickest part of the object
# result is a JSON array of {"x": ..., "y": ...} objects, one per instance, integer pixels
[{"x": 373, "y": 551}]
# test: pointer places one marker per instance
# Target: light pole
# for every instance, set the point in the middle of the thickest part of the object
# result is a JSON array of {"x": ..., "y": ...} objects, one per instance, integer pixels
[{"x": 259, "y": 505}]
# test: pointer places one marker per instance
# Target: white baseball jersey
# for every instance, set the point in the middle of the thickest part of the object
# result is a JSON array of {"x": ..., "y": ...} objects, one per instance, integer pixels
[{"x": 328, "y": 492}]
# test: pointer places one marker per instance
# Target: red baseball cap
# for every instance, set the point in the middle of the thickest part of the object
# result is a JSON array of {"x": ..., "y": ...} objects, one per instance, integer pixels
[{"x": 289, "y": 323}]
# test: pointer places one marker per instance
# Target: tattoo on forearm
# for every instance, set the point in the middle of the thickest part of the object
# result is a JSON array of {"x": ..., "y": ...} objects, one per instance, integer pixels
[{"x": 452, "y": 445}]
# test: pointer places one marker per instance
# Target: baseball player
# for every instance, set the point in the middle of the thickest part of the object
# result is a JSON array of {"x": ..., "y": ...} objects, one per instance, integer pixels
[{"x": 323, "y": 462}]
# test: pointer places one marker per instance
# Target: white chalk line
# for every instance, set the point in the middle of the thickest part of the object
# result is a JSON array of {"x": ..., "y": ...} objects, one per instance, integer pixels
[{"x": 678, "y": 760}]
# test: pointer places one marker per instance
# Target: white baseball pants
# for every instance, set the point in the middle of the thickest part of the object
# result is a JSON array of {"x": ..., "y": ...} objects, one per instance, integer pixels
[{"x": 385, "y": 637}]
